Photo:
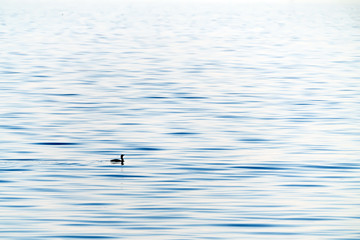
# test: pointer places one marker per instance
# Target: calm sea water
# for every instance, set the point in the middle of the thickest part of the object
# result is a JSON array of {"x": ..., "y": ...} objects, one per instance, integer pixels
[{"x": 237, "y": 121}]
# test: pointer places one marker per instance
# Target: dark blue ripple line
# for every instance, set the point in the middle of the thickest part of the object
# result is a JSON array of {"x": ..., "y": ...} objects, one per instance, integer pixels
[
  {"x": 251, "y": 225},
  {"x": 81, "y": 237},
  {"x": 148, "y": 149},
  {"x": 260, "y": 167},
  {"x": 331, "y": 167},
  {"x": 122, "y": 176},
  {"x": 56, "y": 143}
]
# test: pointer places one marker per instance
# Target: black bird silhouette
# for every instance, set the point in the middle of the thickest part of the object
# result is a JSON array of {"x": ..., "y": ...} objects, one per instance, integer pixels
[{"x": 116, "y": 160}]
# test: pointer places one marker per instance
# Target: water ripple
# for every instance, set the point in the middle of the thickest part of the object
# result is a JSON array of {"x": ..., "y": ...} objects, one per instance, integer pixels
[{"x": 237, "y": 121}]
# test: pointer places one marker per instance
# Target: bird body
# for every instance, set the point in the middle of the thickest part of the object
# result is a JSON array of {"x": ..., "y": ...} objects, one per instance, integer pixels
[{"x": 116, "y": 160}]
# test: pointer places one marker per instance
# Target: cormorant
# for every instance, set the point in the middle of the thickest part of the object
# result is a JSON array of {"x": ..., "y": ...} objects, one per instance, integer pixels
[{"x": 116, "y": 160}]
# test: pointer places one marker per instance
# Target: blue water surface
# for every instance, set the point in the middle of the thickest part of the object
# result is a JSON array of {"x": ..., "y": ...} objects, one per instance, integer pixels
[{"x": 238, "y": 119}]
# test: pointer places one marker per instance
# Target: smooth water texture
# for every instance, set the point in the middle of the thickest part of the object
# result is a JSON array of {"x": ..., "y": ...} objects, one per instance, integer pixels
[{"x": 237, "y": 120}]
